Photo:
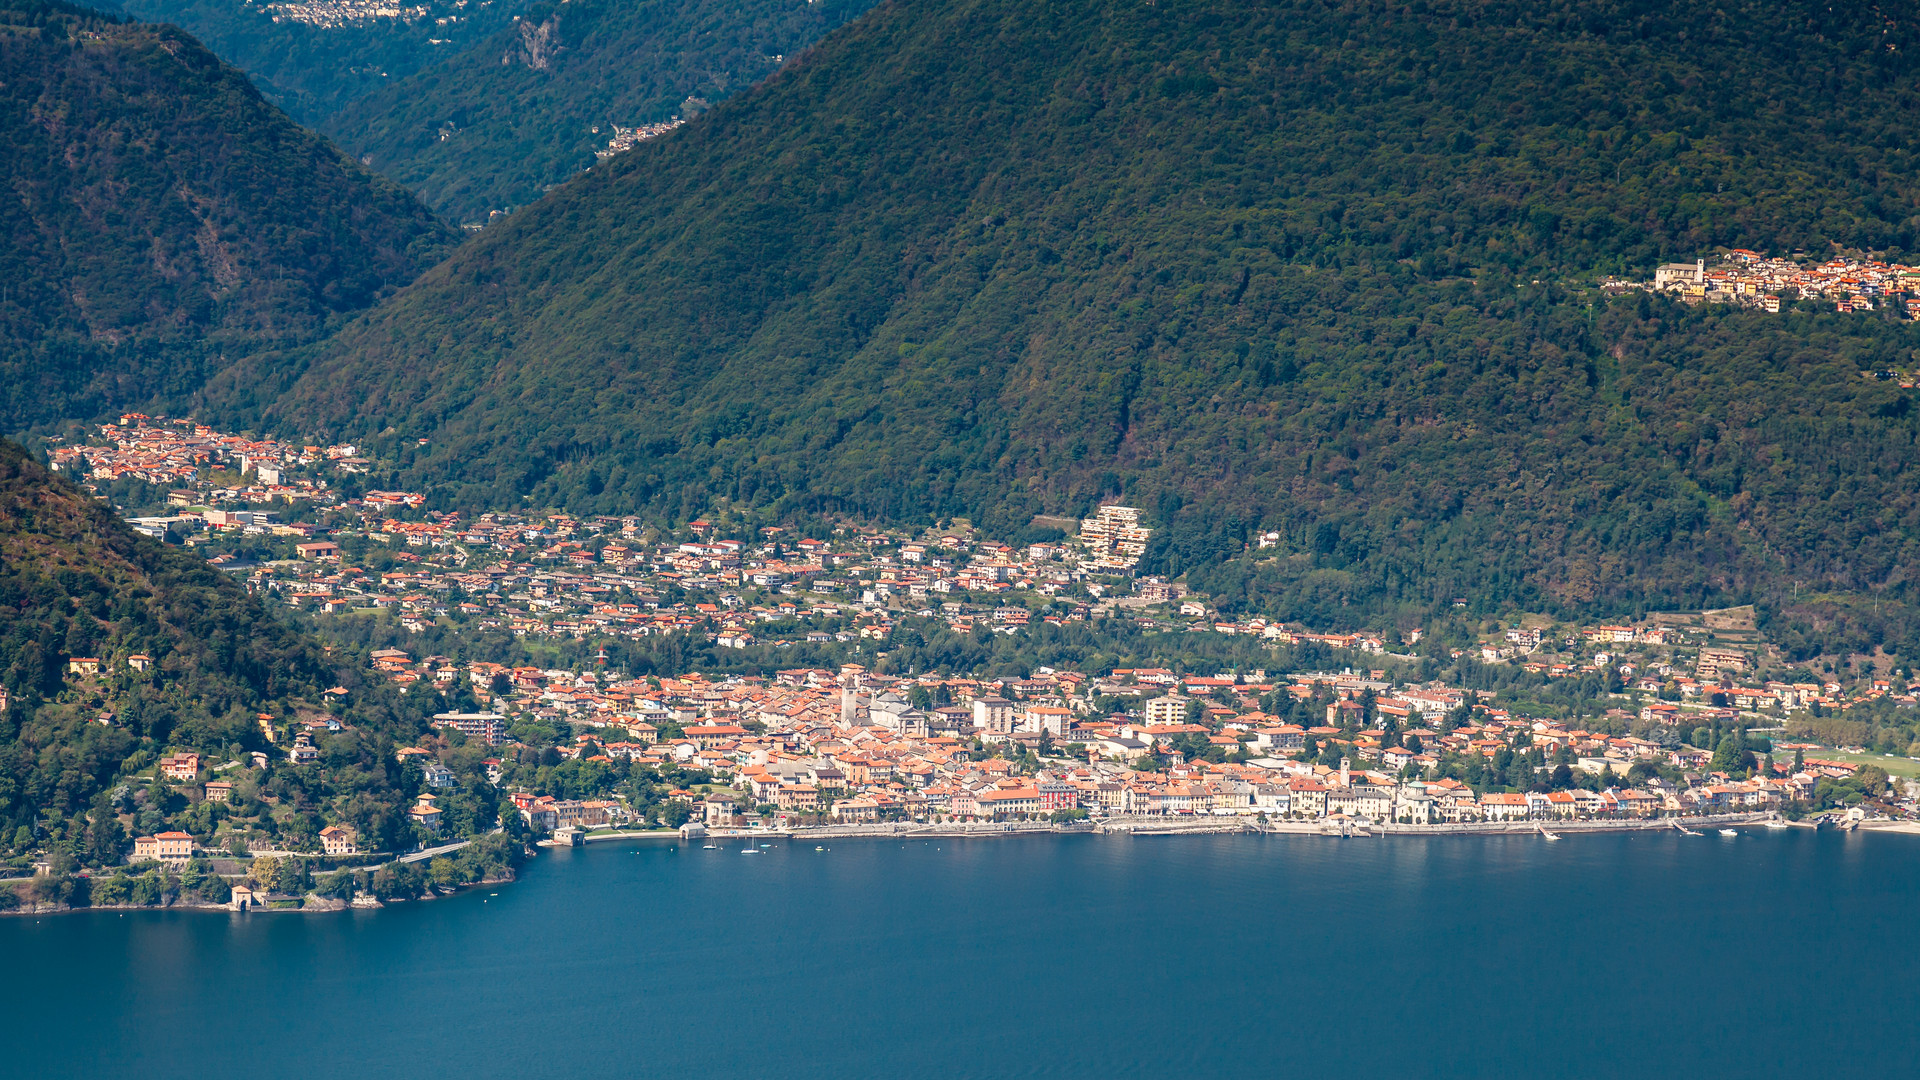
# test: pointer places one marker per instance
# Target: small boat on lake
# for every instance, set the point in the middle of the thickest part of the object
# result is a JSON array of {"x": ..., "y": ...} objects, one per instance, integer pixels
[{"x": 1729, "y": 832}]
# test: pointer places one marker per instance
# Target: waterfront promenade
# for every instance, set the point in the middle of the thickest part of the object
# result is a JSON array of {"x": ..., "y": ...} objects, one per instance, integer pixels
[{"x": 1161, "y": 826}]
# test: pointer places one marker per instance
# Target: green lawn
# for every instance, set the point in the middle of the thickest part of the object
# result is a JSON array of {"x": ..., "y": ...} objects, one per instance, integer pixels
[{"x": 1895, "y": 766}]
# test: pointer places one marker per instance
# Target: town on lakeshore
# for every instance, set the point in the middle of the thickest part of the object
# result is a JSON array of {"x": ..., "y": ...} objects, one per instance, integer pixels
[{"x": 604, "y": 676}]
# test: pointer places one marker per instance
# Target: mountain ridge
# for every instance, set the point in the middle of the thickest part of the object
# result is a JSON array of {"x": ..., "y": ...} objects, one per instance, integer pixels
[
  {"x": 165, "y": 214},
  {"x": 530, "y": 106},
  {"x": 312, "y": 67}
]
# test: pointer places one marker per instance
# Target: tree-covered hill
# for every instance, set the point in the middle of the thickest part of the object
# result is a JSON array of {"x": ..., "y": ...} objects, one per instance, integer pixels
[
  {"x": 495, "y": 126},
  {"x": 75, "y": 581},
  {"x": 314, "y": 61},
  {"x": 78, "y": 747},
  {"x": 1303, "y": 266},
  {"x": 161, "y": 213}
]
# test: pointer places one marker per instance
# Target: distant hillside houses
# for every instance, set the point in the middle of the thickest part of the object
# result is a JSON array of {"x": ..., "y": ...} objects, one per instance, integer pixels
[
  {"x": 1751, "y": 279},
  {"x": 626, "y": 138}
]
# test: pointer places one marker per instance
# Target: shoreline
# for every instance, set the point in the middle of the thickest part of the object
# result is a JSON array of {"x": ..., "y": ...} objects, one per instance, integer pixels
[
  {"x": 1128, "y": 827},
  {"x": 1142, "y": 826},
  {"x": 1910, "y": 827},
  {"x": 317, "y": 905},
  {"x": 1148, "y": 826}
]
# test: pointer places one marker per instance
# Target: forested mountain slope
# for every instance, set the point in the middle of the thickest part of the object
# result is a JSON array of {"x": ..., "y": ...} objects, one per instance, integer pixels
[
  {"x": 311, "y": 57},
  {"x": 160, "y": 212},
  {"x": 1289, "y": 265},
  {"x": 493, "y": 127},
  {"x": 77, "y": 583}
]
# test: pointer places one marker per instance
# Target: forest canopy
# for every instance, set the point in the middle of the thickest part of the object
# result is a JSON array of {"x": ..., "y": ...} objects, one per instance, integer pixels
[
  {"x": 162, "y": 216},
  {"x": 496, "y": 125}
]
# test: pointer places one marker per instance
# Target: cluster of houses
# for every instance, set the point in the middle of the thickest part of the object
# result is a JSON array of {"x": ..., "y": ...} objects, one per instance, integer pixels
[
  {"x": 813, "y": 745},
  {"x": 332, "y": 14},
  {"x": 1664, "y": 660},
  {"x": 1754, "y": 280},
  {"x": 626, "y": 138},
  {"x": 175, "y": 453},
  {"x": 557, "y": 575},
  {"x": 587, "y": 578},
  {"x": 853, "y": 746},
  {"x": 562, "y": 576},
  {"x": 183, "y": 457}
]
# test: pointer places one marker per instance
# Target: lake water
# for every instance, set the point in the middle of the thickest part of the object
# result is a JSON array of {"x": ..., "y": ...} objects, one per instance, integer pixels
[{"x": 1773, "y": 954}]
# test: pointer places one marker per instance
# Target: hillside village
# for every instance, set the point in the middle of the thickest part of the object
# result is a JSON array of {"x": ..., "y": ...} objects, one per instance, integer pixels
[
  {"x": 331, "y": 14},
  {"x": 313, "y": 533},
  {"x": 1750, "y": 279},
  {"x": 207, "y": 470},
  {"x": 626, "y": 138},
  {"x": 345, "y": 549}
]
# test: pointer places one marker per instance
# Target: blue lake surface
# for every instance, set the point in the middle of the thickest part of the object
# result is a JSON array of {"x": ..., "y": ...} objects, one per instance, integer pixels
[{"x": 1771, "y": 954}]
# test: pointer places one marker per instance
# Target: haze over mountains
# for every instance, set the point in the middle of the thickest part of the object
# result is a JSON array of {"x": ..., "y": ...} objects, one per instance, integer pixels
[
  {"x": 312, "y": 57},
  {"x": 1283, "y": 266},
  {"x": 162, "y": 213},
  {"x": 494, "y": 127}
]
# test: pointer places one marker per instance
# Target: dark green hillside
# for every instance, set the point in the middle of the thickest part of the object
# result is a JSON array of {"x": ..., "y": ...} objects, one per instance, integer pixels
[
  {"x": 1249, "y": 265},
  {"x": 312, "y": 69},
  {"x": 76, "y": 582},
  {"x": 493, "y": 127},
  {"x": 162, "y": 213}
]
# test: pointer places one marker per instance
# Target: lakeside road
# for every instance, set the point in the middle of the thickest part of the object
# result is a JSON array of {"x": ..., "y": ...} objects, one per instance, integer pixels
[
  {"x": 1500, "y": 828},
  {"x": 1153, "y": 826},
  {"x": 310, "y": 905},
  {"x": 428, "y": 853},
  {"x": 646, "y": 834}
]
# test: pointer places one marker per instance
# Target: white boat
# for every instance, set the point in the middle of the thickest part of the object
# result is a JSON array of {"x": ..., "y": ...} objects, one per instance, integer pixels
[
  {"x": 749, "y": 850},
  {"x": 708, "y": 847},
  {"x": 1729, "y": 832},
  {"x": 1547, "y": 834},
  {"x": 1776, "y": 823}
]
